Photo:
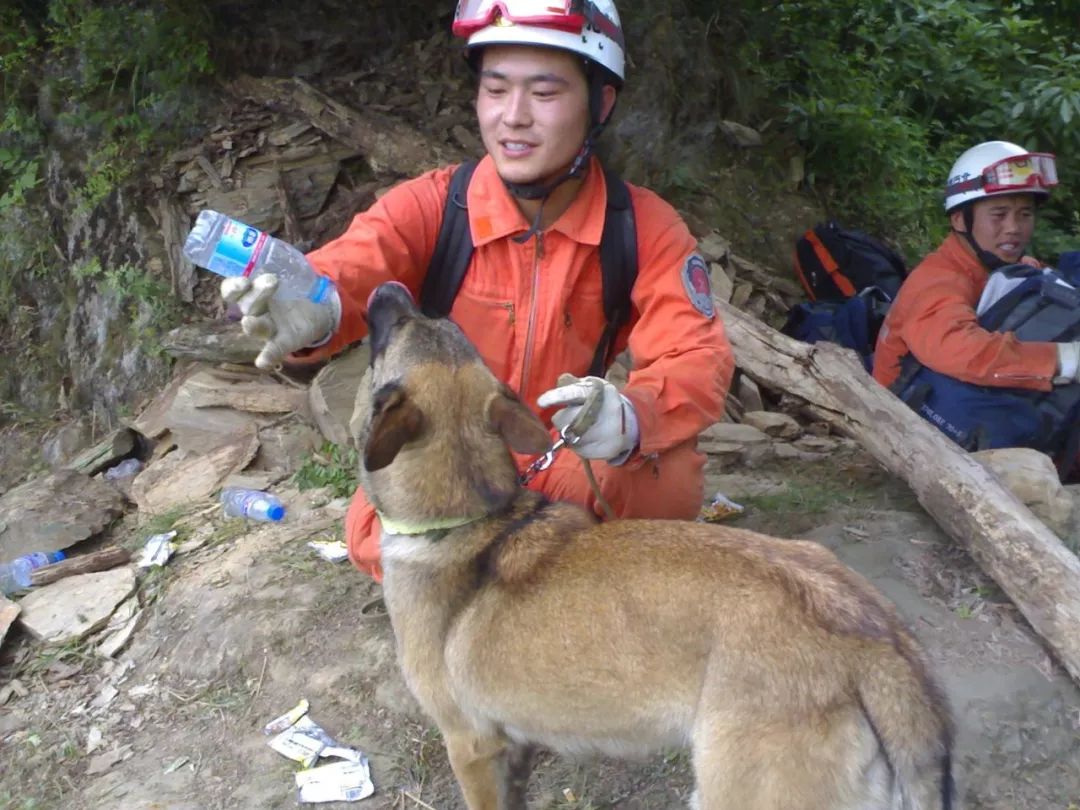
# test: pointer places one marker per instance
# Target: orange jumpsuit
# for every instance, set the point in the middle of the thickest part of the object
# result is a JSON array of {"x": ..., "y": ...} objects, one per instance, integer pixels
[
  {"x": 934, "y": 319},
  {"x": 535, "y": 310}
]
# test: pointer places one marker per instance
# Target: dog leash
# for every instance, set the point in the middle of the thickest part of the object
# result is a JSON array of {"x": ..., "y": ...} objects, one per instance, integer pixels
[
  {"x": 570, "y": 434},
  {"x": 543, "y": 462}
]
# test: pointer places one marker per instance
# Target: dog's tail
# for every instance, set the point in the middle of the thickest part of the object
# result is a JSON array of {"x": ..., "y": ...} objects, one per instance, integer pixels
[{"x": 908, "y": 712}]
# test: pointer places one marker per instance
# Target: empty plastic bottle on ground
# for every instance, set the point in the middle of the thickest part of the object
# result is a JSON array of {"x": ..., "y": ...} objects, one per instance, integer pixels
[
  {"x": 230, "y": 248},
  {"x": 252, "y": 504},
  {"x": 15, "y": 575}
]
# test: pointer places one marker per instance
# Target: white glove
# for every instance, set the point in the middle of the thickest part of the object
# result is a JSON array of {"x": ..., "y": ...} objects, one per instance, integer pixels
[
  {"x": 287, "y": 326},
  {"x": 1068, "y": 363},
  {"x": 597, "y": 421}
]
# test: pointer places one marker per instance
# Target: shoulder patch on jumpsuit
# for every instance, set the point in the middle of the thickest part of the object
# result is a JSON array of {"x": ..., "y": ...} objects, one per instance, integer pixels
[{"x": 695, "y": 278}]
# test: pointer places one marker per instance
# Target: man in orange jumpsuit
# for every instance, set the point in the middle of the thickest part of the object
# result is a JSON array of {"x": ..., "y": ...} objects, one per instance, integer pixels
[
  {"x": 531, "y": 299},
  {"x": 990, "y": 198}
]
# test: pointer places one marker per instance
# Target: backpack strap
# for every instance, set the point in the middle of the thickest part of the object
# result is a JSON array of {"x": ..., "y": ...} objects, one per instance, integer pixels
[
  {"x": 453, "y": 248},
  {"x": 618, "y": 266}
]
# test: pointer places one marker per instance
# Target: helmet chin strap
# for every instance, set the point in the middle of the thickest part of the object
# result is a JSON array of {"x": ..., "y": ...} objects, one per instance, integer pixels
[
  {"x": 990, "y": 260},
  {"x": 541, "y": 191}
]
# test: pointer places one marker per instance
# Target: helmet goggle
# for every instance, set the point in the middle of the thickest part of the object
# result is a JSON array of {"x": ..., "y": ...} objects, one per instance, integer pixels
[
  {"x": 569, "y": 15},
  {"x": 1035, "y": 170}
]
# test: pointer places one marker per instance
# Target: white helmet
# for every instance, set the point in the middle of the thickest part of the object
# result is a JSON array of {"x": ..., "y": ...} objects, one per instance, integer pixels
[
  {"x": 998, "y": 167},
  {"x": 590, "y": 28}
]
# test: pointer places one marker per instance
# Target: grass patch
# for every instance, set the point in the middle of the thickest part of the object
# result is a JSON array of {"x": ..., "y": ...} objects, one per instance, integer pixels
[
  {"x": 73, "y": 653},
  {"x": 845, "y": 481},
  {"x": 230, "y": 529},
  {"x": 332, "y": 466},
  {"x": 159, "y": 524},
  {"x": 422, "y": 757},
  {"x": 809, "y": 497}
]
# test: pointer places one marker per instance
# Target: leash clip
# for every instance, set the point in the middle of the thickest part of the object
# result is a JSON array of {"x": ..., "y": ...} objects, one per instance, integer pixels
[{"x": 543, "y": 462}]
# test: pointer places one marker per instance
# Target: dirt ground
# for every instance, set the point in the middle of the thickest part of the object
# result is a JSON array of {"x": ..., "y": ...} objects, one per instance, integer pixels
[{"x": 239, "y": 630}]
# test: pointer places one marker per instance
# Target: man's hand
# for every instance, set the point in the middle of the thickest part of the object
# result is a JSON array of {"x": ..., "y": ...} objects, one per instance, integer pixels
[
  {"x": 1068, "y": 363},
  {"x": 287, "y": 326},
  {"x": 596, "y": 420}
]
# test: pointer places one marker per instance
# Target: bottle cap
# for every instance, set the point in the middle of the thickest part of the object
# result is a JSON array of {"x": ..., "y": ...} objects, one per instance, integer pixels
[{"x": 275, "y": 512}]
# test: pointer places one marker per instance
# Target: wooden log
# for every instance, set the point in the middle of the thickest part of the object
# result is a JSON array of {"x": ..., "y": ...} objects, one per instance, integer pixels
[
  {"x": 101, "y": 560},
  {"x": 1030, "y": 563},
  {"x": 389, "y": 145}
]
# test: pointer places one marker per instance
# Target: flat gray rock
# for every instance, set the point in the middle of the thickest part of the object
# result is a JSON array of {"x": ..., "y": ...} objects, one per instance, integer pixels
[
  {"x": 55, "y": 512},
  {"x": 74, "y": 607}
]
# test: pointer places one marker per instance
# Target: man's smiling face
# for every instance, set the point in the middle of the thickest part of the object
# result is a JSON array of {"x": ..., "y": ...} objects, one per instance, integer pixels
[{"x": 533, "y": 109}]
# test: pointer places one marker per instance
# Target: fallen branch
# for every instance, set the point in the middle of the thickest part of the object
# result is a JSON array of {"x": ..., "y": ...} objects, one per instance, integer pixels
[
  {"x": 1032, "y": 566},
  {"x": 103, "y": 560}
]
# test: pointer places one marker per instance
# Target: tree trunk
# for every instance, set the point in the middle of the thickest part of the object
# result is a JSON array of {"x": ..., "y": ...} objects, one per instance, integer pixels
[{"x": 1009, "y": 543}]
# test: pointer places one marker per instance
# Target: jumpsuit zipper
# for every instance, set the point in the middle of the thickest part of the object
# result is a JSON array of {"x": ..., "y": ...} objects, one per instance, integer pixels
[{"x": 529, "y": 333}]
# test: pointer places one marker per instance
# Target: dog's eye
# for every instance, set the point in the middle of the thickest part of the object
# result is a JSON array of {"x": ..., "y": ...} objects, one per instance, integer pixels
[{"x": 400, "y": 322}]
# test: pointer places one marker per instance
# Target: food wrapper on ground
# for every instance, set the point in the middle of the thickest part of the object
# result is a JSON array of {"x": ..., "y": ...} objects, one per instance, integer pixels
[
  {"x": 279, "y": 724},
  {"x": 720, "y": 508},
  {"x": 330, "y": 550},
  {"x": 337, "y": 782},
  {"x": 306, "y": 741},
  {"x": 158, "y": 549}
]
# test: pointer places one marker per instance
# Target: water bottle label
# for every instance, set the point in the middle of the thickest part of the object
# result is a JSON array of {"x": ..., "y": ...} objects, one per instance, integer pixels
[
  {"x": 237, "y": 250},
  {"x": 320, "y": 290}
]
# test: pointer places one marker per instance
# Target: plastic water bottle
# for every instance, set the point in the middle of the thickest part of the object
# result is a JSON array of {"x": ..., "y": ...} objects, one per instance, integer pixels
[
  {"x": 252, "y": 504},
  {"x": 230, "y": 248},
  {"x": 15, "y": 575}
]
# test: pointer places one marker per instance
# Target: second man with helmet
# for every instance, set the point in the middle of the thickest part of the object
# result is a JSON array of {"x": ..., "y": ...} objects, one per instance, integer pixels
[{"x": 991, "y": 197}]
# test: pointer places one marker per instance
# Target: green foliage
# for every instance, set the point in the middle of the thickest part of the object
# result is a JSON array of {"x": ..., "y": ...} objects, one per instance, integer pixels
[
  {"x": 117, "y": 74},
  {"x": 121, "y": 72},
  {"x": 138, "y": 53},
  {"x": 885, "y": 95},
  {"x": 333, "y": 466}
]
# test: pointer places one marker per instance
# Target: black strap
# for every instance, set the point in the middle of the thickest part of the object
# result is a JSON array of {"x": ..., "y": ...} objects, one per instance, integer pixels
[
  {"x": 453, "y": 248},
  {"x": 618, "y": 259},
  {"x": 619, "y": 267}
]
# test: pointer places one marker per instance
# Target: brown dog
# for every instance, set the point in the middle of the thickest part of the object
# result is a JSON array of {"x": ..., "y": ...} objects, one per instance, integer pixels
[{"x": 522, "y": 622}]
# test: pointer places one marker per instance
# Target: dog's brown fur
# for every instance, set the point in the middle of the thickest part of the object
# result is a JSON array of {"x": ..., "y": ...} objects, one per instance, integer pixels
[{"x": 791, "y": 679}]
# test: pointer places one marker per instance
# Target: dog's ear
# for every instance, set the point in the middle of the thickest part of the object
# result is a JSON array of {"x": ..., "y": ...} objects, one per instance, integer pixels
[
  {"x": 519, "y": 427},
  {"x": 396, "y": 421}
]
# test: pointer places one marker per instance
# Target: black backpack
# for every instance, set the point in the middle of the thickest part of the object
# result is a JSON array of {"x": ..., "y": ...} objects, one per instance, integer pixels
[
  {"x": 618, "y": 258},
  {"x": 835, "y": 263},
  {"x": 851, "y": 279}
]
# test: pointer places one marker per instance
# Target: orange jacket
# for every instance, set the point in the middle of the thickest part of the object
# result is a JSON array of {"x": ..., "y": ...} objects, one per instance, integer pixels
[
  {"x": 535, "y": 310},
  {"x": 934, "y": 319}
]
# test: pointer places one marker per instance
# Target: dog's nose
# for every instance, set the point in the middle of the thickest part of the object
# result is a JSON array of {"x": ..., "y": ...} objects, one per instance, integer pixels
[{"x": 386, "y": 286}]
